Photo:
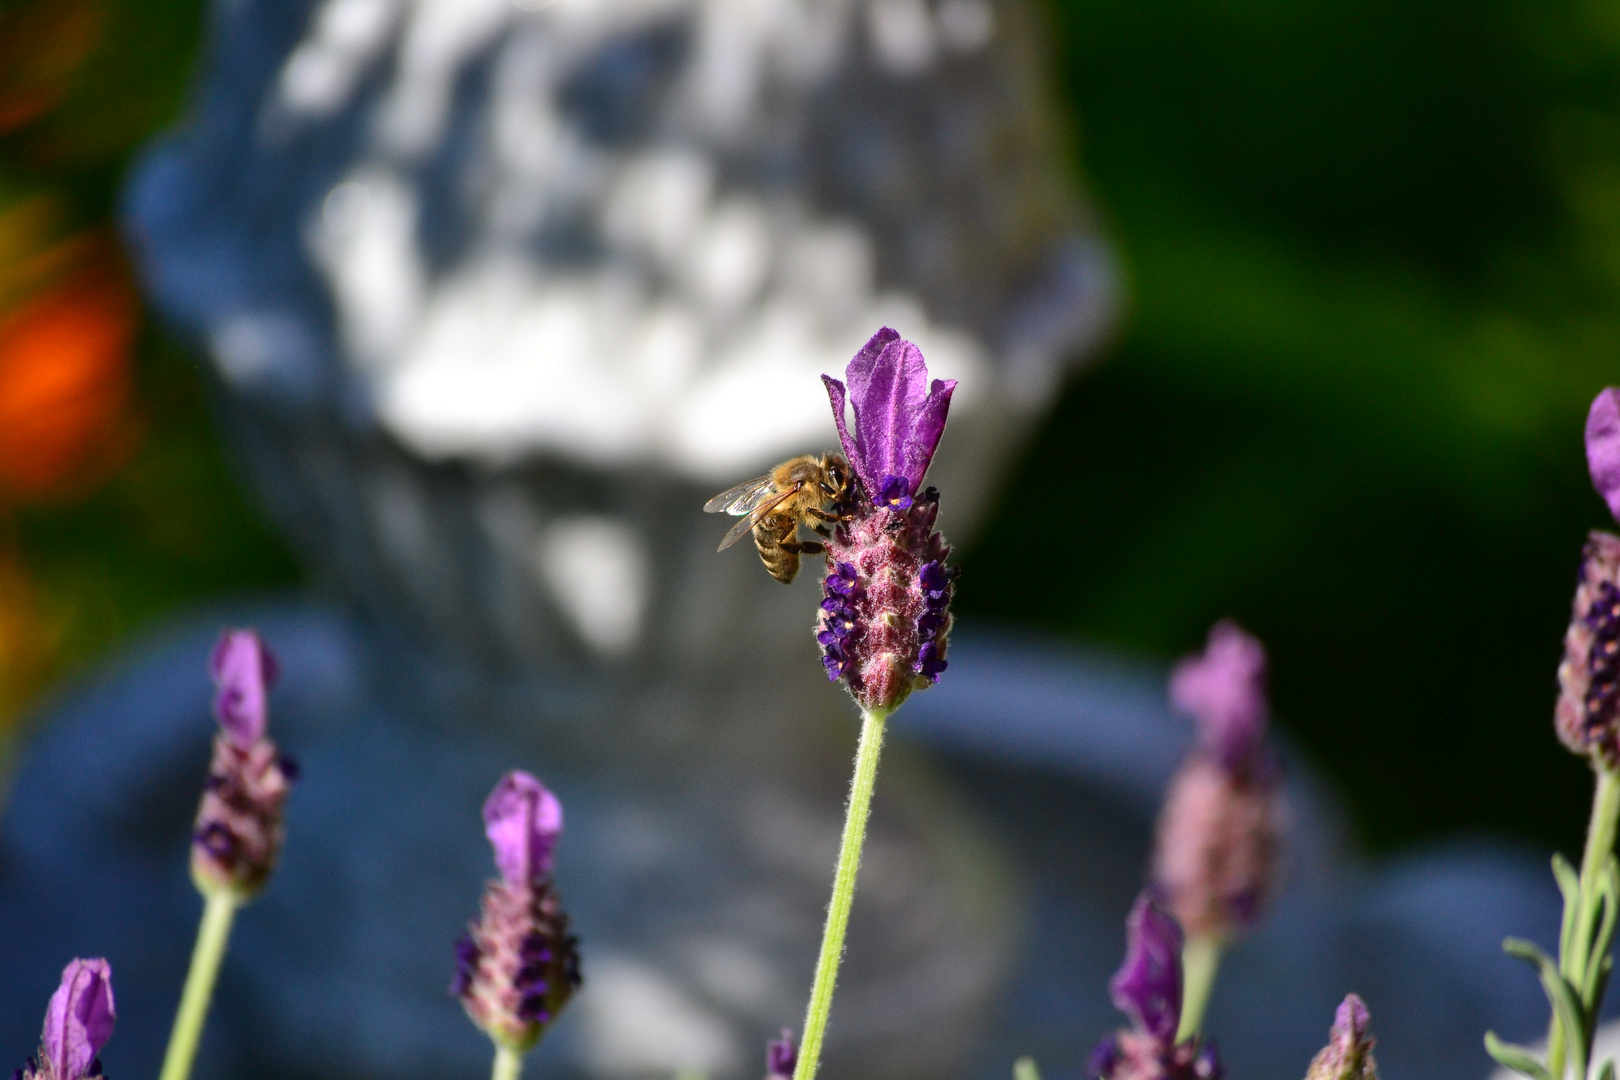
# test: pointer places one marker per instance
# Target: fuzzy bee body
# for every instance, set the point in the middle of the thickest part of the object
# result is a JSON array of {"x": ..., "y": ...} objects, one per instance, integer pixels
[{"x": 797, "y": 492}]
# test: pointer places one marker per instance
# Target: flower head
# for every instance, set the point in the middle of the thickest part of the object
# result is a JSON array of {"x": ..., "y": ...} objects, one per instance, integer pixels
[
  {"x": 1147, "y": 988},
  {"x": 1221, "y": 826},
  {"x": 899, "y": 417},
  {"x": 518, "y": 965},
  {"x": 1224, "y": 690},
  {"x": 239, "y": 828},
  {"x": 78, "y": 1023},
  {"x": 885, "y": 618},
  {"x": 781, "y": 1057},
  {"x": 1348, "y": 1054}
]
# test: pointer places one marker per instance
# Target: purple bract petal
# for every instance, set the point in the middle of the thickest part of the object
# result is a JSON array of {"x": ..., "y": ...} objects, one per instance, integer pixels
[
  {"x": 522, "y": 820},
  {"x": 244, "y": 671},
  {"x": 899, "y": 416},
  {"x": 1147, "y": 987},
  {"x": 781, "y": 1057},
  {"x": 80, "y": 1018},
  {"x": 1225, "y": 691},
  {"x": 1603, "y": 447}
]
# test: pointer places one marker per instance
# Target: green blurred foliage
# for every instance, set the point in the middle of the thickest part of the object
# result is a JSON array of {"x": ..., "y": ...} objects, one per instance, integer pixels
[
  {"x": 1374, "y": 266},
  {"x": 173, "y": 526}
]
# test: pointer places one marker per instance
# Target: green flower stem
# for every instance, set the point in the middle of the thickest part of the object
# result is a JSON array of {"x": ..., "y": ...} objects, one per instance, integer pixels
[
  {"x": 219, "y": 909},
  {"x": 1200, "y": 959},
  {"x": 849, "y": 861},
  {"x": 1600, "y": 837},
  {"x": 508, "y": 1063},
  {"x": 1024, "y": 1069}
]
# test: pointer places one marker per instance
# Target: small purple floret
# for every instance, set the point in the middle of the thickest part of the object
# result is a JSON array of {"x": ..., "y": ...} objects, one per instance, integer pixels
[
  {"x": 1147, "y": 987},
  {"x": 781, "y": 1057},
  {"x": 79, "y": 1021},
  {"x": 244, "y": 670},
  {"x": 1103, "y": 1058},
  {"x": 522, "y": 820}
]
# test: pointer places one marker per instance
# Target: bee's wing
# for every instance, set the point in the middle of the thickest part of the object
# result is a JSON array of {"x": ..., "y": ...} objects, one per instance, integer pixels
[
  {"x": 741, "y": 529},
  {"x": 742, "y": 498}
]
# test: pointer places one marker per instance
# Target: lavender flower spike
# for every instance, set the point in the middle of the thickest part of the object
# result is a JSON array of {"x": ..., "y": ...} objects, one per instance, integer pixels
[
  {"x": 1587, "y": 716},
  {"x": 518, "y": 965},
  {"x": 1147, "y": 988},
  {"x": 78, "y": 1024},
  {"x": 1221, "y": 826},
  {"x": 885, "y": 616},
  {"x": 239, "y": 829},
  {"x": 781, "y": 1057},
  {"x": 1348, "y": 1054}
]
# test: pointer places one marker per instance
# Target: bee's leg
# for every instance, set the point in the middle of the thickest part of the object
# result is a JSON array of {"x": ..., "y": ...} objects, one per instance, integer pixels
[
  {"x": 822, "y": 515},
  {"x": 823, "y": 532},
  {"x": 802, "y": 547}
]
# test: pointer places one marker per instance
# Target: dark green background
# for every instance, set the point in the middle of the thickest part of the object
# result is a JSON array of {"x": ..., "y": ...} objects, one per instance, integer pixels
[{"x": 1373, "y": 252}]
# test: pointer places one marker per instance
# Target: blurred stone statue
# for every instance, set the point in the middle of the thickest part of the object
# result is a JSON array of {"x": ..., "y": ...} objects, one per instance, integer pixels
[{"x": 497, "y": 293}]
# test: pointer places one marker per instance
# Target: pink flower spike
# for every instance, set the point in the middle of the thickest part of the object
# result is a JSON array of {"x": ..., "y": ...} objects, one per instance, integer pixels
[
  {"x": 1603, "y": 446},
  {"x": 244, "y": 671},
  {"x": 79, "y": 1020},
  {"x": 1224, "y": 690},
  {"x": 1348, "y": 1054},
  {"x": 522, "y": 820}
]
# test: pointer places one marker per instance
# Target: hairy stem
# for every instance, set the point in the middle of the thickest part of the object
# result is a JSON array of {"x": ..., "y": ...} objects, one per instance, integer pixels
[
  {"x": 1200, "y": 959},
  {"x": 1600, "y": 837},
  {"x": 219, "y": 909},
  {"x": 849, "y": 861},
  {"x": 508, "y": 1063}
]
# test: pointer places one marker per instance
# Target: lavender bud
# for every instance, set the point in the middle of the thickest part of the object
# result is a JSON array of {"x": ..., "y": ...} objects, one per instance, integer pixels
[
  {"x": 781, "y": 1057},
  {"x": 1348, "y": 1054},
  {"x": 518, "y": 965},
  {"x": 885, "y": 617},
  {"x": 1221, "y": 826},
  {"x": 78, "y": 1023},
  {"x": 239, "y": 828}
]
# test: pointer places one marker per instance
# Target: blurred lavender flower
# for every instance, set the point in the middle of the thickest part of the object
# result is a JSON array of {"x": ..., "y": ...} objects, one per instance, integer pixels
[
  {"x": 239, "y": 826},
  {"x": 1213, "y": 865},
  {"x": 78, "y": 1023},
  {"x": 781, "y": 1057},
  {"x": 1147, "y": 988},
  {"x": 1587, "y": 716},
  {"x": 1348, "y": 1054},
  {"x": 518, "y": 965},
  {"x": 885, "y": 613}
]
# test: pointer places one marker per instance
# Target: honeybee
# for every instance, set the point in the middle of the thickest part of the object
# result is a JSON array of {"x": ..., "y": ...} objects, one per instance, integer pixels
[{"x": 796, "y": 492}]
